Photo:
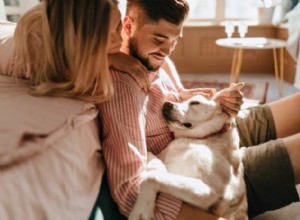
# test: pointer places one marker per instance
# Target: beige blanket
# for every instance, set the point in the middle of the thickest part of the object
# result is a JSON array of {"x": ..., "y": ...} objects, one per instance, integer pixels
[{"x": 50, "y": 160}]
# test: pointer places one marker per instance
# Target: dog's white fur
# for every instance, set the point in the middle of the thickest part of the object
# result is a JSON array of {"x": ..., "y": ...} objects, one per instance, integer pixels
[{"x": 203, "y": 164}]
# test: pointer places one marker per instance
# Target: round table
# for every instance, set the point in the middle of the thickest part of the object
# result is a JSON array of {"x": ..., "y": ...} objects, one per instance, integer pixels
[{"x": 239, "y": 44}]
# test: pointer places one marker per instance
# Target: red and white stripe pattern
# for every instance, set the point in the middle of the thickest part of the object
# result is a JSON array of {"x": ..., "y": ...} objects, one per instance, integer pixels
[{"x": 132, "y": 125}]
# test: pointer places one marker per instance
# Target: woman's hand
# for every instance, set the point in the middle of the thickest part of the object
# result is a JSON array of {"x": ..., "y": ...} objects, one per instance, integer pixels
[
  {"x": 231, "y": 99},
  {"x": 188, "y": 93},
  {"x": 128, "y": 64}
]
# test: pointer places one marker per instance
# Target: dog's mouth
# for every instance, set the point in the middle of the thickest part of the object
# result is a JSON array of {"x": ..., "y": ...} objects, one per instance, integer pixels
[
  {"x": 167, "y": 116},
  {"x": 187, "y": 125},
  {"x": 171, "y": 119},
  {"x": 177, "y": 123}
]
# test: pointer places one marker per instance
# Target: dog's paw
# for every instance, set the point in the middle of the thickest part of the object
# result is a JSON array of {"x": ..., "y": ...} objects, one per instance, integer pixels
[
  {"x": 144, "y": 207},
  {"x": 141, "y": 214},
  {"x": 219, "y": 208}
]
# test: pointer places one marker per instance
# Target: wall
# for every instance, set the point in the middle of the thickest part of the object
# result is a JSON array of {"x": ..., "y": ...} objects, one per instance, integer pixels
[
  {"x": 15, "y": 8},
  {"x": 289, "y": 63},
  {"x": 197, "y": 52}
]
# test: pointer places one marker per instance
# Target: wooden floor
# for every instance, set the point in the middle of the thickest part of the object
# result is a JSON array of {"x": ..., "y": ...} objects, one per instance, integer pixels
[{"x": 272, "y": 93}]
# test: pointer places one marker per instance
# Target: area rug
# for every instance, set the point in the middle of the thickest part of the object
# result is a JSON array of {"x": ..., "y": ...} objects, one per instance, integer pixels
[{"x": 256, "y": 92}]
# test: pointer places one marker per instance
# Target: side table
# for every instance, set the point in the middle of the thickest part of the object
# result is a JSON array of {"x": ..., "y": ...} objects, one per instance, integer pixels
[{"x": 239, "y": 44}]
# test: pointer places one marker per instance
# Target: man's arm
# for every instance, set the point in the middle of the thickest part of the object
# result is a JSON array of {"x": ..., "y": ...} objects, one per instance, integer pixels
[
  {"x": 185, "y": 94},
  {"x": 125, "y": 149},
  {"x": 170, "y": 69},
  {"x": 231, "y": 101}
]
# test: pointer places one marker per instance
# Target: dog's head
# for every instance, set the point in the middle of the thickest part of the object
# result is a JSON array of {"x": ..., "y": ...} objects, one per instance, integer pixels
[{"x": 196, "y": 117}]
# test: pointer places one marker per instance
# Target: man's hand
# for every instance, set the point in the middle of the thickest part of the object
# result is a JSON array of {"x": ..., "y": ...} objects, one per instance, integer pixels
[
  {"x": 128, "y": 64},
  {"x": 188, "y": 93},
  {"x": 231, "y": 98}
]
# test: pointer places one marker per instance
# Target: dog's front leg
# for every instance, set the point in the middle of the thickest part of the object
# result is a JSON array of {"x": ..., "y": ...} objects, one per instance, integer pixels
[
  {"x": 154, "y": 163},
  {"x": 145, "y": 204}
]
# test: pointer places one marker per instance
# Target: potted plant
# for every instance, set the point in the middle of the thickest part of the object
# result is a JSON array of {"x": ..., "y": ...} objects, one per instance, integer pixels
[
  {"x": 265, "y": 11},
  {"x": 272, "y": 11}
]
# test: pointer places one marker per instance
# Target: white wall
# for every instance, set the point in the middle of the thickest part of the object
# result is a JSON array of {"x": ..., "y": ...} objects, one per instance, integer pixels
[
  {"x": 18, "y": 10},
  {"x": 2, "y": 10}
]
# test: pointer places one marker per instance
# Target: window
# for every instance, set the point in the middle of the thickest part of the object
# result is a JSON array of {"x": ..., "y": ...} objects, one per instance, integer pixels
[
  {"x": 237, "y": 9},
  {"x": 221, "y": 10},
  {"x": 218, "y": 10},
  {"x": 203, "y": 9},
  {"x": 15, "y": 8},
  {"x": 122, "y": 6}
]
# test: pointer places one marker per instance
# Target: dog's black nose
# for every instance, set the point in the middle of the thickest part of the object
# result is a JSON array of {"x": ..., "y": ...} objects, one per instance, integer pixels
[{"x": 168, "y": 106}]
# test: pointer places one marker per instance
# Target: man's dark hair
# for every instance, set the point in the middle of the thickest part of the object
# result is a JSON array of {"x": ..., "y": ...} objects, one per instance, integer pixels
[{"x": 173, "y": 11}]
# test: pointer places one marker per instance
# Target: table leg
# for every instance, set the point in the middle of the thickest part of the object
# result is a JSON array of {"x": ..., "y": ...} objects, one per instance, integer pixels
[
  {"x": 238, "y": 70},
  {"x": 236, "y": 64},
  {"x": 279, "y": 65},
  {"x": 233, "y": 65},
  {"x": 281, "y": 72}
]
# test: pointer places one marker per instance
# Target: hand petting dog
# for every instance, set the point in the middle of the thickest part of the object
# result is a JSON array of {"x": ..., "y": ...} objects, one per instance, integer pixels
[
  {"x": 231, "y": 98},
  {"x": 186, "y": 94}
]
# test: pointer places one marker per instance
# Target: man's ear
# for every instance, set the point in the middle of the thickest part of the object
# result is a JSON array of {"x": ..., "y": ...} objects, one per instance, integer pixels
[{"x": 127, "y": 25}]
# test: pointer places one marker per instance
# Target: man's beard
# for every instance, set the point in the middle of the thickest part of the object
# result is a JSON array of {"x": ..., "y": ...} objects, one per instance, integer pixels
[{"x": 133, "y": 50}]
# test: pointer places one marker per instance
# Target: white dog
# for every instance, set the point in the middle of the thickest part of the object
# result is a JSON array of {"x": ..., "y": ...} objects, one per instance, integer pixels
[{"x": 203, "y": 164}]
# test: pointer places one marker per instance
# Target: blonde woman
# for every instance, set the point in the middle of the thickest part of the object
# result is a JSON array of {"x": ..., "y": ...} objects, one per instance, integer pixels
[
  {"x": 65, "y": 49},
  {"x": 62, "y": 47}
]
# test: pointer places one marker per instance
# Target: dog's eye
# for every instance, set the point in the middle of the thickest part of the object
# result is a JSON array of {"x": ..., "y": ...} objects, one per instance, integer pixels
[
  {"x": 195, "y": 103},
  {"x": 187, "y": 125}
]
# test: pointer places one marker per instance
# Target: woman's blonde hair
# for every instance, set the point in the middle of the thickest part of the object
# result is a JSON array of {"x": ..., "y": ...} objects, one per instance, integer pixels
[{"x": 63, "y": 46}]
